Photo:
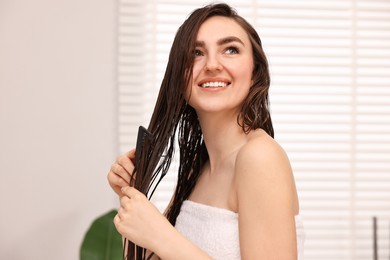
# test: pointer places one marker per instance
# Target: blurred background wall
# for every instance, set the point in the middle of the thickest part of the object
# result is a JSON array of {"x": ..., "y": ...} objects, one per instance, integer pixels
[{"x": 57, "y": 123}]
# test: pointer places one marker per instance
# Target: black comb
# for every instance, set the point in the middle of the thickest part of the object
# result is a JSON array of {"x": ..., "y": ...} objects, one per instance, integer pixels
[{"x": 143, "y": 134}]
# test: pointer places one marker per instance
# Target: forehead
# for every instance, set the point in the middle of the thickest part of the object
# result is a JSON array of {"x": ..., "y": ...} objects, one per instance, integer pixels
[{"x": 218, "y": 27}]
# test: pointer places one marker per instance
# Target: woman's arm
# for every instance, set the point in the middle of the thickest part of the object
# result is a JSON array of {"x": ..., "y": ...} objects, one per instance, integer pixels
[
  {"x": 267, "y": 201},
  {"x": 141, "y": 222}
]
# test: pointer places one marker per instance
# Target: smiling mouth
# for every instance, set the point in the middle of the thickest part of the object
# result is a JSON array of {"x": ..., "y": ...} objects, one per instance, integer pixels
[{"x": 218, "y": 84}]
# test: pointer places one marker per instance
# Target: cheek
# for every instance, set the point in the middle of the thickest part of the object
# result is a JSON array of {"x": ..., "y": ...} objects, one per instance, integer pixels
[
  {"x": 249, "y": 74},
  {"x": 244, "y": 73},
  {"x": 197, "y": 69},
  {"x": 187, "y": 94},
  {"x": 188, "y": 90},
  {"x": 242, "y": 69}
]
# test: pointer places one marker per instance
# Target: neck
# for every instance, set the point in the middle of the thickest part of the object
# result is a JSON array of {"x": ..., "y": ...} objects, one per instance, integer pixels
[{"x": 222, "y": 136}]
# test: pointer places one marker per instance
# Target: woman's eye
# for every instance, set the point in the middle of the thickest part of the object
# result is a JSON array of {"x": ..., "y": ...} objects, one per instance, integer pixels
[
  {"x": 232, "y": 50},
  {"x": 197, "y": 53}
]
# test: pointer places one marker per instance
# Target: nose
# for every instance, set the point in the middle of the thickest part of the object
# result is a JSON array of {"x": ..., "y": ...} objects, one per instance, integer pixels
[{"x": 212, "y": 64}]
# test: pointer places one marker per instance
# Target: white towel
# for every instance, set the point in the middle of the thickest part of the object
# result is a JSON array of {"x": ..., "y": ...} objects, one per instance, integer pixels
[{"x": 215, "y": 230}]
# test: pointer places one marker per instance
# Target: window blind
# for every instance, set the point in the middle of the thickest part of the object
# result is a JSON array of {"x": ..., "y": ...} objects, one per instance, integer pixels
[{"x": 330, "y": 104}]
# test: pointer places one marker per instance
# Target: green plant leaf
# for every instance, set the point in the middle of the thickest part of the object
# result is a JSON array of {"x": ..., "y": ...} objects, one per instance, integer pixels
[{"x": 102, "y": 241}]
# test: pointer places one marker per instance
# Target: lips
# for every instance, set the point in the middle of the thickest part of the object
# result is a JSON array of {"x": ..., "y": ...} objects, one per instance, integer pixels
[{"x": 214, "y": 84}]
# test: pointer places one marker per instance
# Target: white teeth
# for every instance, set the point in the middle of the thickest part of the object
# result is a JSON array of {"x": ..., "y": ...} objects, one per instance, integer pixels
[{"x": 214, "y": 84}]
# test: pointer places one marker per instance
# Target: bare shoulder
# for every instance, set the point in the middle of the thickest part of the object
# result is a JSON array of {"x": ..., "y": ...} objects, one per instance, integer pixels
[
  {"x": 263, "y": 169},
  {"x": 261, "y": 151}
]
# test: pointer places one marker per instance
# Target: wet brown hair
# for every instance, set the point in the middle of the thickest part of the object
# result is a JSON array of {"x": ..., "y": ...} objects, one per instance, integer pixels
[{"x": 173, "y": 115}]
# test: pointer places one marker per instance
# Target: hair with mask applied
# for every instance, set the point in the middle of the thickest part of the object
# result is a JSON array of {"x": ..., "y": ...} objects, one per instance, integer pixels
[{"x": 172, "y": 114}]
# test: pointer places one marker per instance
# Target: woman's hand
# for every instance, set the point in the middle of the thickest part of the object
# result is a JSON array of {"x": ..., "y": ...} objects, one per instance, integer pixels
[
  {"x": 140, "y": 221},
  {"x": 121, "y": 172}
]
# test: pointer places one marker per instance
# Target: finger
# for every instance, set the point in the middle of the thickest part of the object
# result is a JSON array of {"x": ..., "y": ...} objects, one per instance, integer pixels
[
  {"x": 131, "y": 154},
  {"x": 117, "y": 219},
  {"x": 125, "y": 162},
  {"x": 122, "y": 211},
  {"x": 118, "y": 224},
  {"x": 117, "y": 180},
  {"x": 131, "y": 192},
  {"x": 124, "y": 201},
  {"x": 120, "y": 171}
]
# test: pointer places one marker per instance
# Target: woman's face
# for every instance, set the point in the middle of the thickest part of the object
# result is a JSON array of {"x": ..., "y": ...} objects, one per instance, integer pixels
[{"x": 223, "y": 67}]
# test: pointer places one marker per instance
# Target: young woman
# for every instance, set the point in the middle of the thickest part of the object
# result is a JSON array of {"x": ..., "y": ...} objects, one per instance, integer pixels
[{"x": 235, "y": 197}]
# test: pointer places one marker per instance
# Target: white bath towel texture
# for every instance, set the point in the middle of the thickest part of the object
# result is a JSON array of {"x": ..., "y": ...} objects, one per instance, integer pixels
[{"x": 215, "y": 230}]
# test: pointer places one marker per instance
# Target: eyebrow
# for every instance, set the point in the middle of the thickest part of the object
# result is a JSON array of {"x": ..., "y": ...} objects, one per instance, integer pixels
[{"x": 222, "y": 41}]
